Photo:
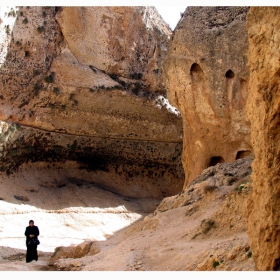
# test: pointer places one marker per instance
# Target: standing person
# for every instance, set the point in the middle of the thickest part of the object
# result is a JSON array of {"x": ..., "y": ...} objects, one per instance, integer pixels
[{"x": 31, "y": 232}]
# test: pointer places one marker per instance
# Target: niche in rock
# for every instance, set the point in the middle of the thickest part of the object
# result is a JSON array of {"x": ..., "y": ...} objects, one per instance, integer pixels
[
  {"x": 215, "y": 160},
  {"x": 229, "y": 74},
  {"x": 242, "y": 154},
  {"x": 196, "y": 69}
]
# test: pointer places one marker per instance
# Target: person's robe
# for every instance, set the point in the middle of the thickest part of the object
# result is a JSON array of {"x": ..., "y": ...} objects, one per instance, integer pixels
[{"x": 31, "y": 253}]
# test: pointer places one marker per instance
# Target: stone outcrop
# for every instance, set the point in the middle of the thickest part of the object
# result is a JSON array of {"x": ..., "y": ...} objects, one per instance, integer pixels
[
  {"x": 206, "y": 77},
  {"x": 74, "y": 252},
  {"x": 84, "y": 85},
  {"x": 263, "y": 106}
]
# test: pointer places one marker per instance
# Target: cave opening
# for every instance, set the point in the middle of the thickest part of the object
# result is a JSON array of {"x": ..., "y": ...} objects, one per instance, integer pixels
[
  {"x": 195, "y": 68},
  {"x": 216, "y": 160},
  {"x": 229, "y": 74},
  {"x": 243, "y": 154}
]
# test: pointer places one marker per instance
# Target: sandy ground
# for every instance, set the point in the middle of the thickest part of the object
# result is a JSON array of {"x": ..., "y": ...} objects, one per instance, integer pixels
[
  {"x": 200, "y": 231},
  {"x": 65, "y": 216}
]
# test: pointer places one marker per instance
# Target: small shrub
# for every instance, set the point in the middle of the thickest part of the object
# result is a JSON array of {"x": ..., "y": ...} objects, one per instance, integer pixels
[
  {"x": 91, "y": 89},
  {"x": 116, "y": 87},
  {"x": 72, "y": 96},
  {"x": 12, "y": 13},
  {"x": 190, "y": 191},
  {"x": 18, "y": 43},
  {"x": 49, "y": 79},
  {"x": 240, "y": 188},
  {"x": 37, "y": 88},
  {"x": 56, "y": 90},
  {"x": 249, "y": 254},
  {"x": 44, "y": 14},
  {"x": 74, "y": 145},
  {"x": 136, "y": 88},
  {"x": 26, "y": 54},
  {"x": 21, "y": 14},
  {"x": 25, "y": 21},
  {"x": 36, "y": 72},
  {"x": 28, "y": 149},
  {"x": 57, "y": 149},
  {"x": 215, "y": 264},
  {"x": 136, "y": 76},
  {"x": 45, "y": 23},
  {"x": 40, "y": 29},
  {"x": 7, "y": 28},
  {"x": 207, "y": 225},
  {"x": 208, "y": 186},
  {"x": 8, "y": 172}
]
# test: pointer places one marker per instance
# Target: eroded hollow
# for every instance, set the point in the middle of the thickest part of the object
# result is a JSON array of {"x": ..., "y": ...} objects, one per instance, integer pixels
[
  {"x": 229, "y": 74},
  {"x": 195, "y": 68},
  {"x": 216, "y": 160},
  {"x": 242, "y": 154}
]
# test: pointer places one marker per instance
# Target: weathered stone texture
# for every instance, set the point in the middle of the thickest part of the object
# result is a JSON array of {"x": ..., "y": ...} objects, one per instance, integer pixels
[
  {"x": 90, "y": 76},
  {"x": 263, "y": 24},
  {"x": 206, "y": 78}
]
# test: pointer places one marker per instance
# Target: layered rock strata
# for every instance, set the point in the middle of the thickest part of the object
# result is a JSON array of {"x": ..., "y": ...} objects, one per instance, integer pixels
[
  {"x": 84, "y": 84},
  {"x": 206, "y": 77},
  {"x": 263, "y": 106}
]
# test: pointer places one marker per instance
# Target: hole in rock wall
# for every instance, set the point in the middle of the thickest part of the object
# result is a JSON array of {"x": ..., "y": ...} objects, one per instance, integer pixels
[
  {"x": 26, "y": 54},
  {"x": 243, "y": 154},
  {"x": 229, "y": 74},
  {"x": 195, "y": 68},
  {"x": 216, "y": 160}
]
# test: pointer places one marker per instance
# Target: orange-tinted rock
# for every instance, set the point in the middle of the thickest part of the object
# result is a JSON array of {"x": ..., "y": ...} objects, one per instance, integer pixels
[
  {"x": 263, "y": 106},
  {"x": 206, "y": 78},
  {"x": 83, "y": 84}
]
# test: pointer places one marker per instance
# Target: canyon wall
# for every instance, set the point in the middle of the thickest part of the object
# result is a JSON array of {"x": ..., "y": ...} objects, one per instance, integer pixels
[
  {"x": 263, "y": 209},
  {"x": 83, "y": 86},
  {"x": 206, "y": 78}
]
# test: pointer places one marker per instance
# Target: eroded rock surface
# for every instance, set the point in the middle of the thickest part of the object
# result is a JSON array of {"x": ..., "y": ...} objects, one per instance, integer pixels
[
  {"x": 263, "y": 106},
  {"x": 201, "y": 228},
  {"x": 83, "y": 84},
  {"x": 206, "y": 78}
]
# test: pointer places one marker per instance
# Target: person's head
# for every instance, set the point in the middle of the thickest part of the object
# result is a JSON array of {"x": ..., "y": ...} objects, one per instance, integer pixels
[{"x": 31, "y": 223}]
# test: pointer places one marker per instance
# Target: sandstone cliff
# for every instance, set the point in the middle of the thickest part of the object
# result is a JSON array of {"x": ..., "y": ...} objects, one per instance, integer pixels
[
  {"x": 83, "y": 85},
  {"x": 206, "y": 78},
  {"x": 263, "y": 110}
]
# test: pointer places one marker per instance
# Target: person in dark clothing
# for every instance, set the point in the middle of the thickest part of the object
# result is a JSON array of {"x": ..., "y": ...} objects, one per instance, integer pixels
[{"x": 31, "y": 232}]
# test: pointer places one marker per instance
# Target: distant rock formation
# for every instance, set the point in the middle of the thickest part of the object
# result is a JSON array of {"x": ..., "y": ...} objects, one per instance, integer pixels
[
  {"x": 84, "y": 84},
  {"x": 206, "y": 78},
  {"x": 263, "y": 24}
]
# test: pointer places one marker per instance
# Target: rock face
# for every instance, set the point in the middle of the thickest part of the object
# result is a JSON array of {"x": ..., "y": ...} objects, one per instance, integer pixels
[
  {"x": 206, "y": 77},
  {"x": 83, "y": 84},
  {"x": 263, "y": 110},
  {"x": 73, "y": 252}
]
